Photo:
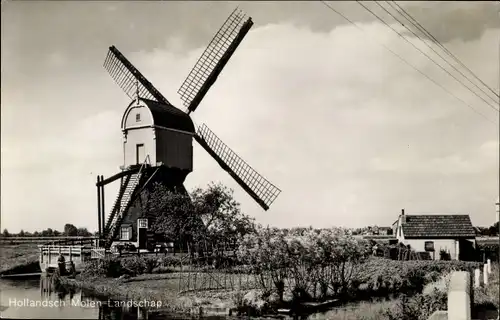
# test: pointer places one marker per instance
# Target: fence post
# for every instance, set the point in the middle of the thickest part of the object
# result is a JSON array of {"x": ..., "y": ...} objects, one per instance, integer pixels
[
  {"x": 489, "y": 266},
  {"x": 459, "y": 299},
  {"x": 485, "y": 274},
  {"x": 477, "y": 278}
]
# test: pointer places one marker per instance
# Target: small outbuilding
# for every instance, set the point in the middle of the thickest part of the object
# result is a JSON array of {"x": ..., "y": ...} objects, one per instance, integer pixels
[{"x": 444, "y": 236}]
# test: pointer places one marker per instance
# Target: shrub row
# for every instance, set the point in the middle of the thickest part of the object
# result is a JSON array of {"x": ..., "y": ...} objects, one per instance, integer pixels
[
  {"x": 380, "y": 276},
  {"x": 320, "y": 264},
  {"x": 128, "y": 265}
]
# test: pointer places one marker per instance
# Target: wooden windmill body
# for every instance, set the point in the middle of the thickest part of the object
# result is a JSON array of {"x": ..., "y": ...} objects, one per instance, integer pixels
[{"x": 158, "y": 138}]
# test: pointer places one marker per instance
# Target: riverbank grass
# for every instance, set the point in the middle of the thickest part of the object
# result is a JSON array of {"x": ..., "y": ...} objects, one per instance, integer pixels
[
  {"x": 153, "y": 289},
  {"x": 21, "y": 258}
]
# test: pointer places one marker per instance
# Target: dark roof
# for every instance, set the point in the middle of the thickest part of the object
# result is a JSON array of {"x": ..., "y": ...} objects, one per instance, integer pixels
[
  {"x": 168, "y": 116},
  {"x": 438, "y": 226}
]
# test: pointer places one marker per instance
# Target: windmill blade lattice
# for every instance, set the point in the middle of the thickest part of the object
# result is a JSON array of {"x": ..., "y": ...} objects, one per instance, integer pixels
[
  {"x": 258, "y": 187},
  {"x": 213, "y": 59},
  {"x": 129, "y": 78}
]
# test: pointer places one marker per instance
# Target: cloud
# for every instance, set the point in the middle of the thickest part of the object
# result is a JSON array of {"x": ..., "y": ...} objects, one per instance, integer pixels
[
  {"x": 445, "y": 20},
  {"x": 331, "y": 118},
  {"x": 56, "y": 59},
  {"x": 310, "y": 110},
  {"x": 449, "y": 165}
]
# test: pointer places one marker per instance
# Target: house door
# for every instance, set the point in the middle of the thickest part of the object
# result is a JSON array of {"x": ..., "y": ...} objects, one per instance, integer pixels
[{"x": 140, "y": 153}]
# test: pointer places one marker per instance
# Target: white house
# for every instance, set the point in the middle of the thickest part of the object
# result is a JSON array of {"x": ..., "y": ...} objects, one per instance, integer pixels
[{"x": 453, "y": 234}]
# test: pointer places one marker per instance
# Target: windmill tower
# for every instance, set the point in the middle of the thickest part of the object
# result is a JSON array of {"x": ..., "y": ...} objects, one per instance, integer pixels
[{"x": 158, "y": 137}]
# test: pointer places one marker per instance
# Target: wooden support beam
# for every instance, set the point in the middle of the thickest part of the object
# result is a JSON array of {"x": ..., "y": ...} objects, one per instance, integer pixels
[
  {"x": 119, "y": 175},
  {"x": 103, "y": 212},
  {"x": 99, "y": 206}
]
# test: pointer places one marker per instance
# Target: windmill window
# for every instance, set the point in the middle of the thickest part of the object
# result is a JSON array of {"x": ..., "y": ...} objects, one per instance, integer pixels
[
  {"x": 137, "y": 117},
  {"x": 125, "y": 233},
  {"x": 143, "y": 223}
]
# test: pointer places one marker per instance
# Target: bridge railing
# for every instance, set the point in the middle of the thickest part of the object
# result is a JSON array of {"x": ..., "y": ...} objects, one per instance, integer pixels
[{"x": 97, "y": 253}]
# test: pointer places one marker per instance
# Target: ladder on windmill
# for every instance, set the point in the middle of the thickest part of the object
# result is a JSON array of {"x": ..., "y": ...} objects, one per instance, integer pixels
[{"x": 123, "y": 202}]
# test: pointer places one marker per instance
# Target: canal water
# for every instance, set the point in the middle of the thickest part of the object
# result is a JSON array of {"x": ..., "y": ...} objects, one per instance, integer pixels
[{"x": 38, "y": 298}]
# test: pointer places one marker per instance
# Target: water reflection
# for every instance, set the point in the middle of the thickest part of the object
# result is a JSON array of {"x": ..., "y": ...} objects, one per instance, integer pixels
[
  {"x": 106, "y": 309},
  {"x": 42, "y": 298}
]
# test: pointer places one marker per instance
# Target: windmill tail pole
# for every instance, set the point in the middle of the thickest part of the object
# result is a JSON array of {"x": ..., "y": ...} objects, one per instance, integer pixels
[{"x": 99, "y": 206}]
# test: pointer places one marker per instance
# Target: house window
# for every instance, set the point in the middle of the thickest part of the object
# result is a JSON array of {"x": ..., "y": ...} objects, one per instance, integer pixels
[
  {"x": 125, "y": 233},
  {"x": 142, "y": 223},
  {"x": 137, "y": 117},
  {"x": 429, "y": 246}
]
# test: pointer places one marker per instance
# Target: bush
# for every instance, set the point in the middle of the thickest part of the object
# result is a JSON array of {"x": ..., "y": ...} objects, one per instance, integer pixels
[
  {"x": 305, "y": 260},
  {"x": 170, "y": 261},
  {"x": 115, "y": 267},
  {"x": 331, "y": 262},
  {"x": 417, "y": 307},
  {"x": 134, "y": 265},
  {"x": 110, "y": 267},
  {"x": 151, "y": 263},
  {"x": 444, "y": 255},
  {"x": 386, "y": 276}
]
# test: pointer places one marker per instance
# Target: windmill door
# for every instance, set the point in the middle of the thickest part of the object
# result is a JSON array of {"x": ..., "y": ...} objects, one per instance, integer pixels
[{"x": 140, "y": 153}]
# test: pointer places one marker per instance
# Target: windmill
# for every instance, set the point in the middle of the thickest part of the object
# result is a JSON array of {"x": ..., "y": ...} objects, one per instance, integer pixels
[{"x": 158, "y": 137}]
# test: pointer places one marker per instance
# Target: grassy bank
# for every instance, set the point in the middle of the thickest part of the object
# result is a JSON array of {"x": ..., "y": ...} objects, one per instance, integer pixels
[
  {"x": 153, "y": 288},
  {"x": 22, "y": 258},
  {"x": 156, "y": 279},
  {"x": 487, "y": 298}
]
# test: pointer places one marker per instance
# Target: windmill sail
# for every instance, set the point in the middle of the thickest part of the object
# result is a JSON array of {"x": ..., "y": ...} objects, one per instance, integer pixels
[
  {"x": 128, "y": 77},
  {"x": 258, "y": 187},
  {"x": 213, "y": 59}
]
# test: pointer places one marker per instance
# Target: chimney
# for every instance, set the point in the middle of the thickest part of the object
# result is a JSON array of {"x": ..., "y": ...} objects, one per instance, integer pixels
[
  {"x": 403, "y": 217},
  {"x": 402, "y": 212}
]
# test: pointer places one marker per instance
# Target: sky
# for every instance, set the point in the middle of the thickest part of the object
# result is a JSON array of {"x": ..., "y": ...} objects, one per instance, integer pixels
[{"x": 323, "y": 109}]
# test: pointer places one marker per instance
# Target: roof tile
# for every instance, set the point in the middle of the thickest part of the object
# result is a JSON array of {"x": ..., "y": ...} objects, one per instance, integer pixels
[{"x": 439, "y": 226}]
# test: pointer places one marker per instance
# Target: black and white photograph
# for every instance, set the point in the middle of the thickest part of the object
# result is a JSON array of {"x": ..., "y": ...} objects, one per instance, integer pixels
[{"x": 313, "y": 160}]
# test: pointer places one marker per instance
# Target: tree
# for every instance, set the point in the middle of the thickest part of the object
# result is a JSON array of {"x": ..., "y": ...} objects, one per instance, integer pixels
[
  {"x": 493, "y": 230},
  {"x": 47, "y": 233},
  {"x": 171, "y": 213},
  {"x": 83, "y": 232},
  {"x": 224, "y": 223},
  {"x": 209, "y": 218},
  {"x": 5, "y": 233},
  {"x": 70, "y": 230},
  {"x": 267, "y": 254},
  {"x": 21, "y": 233}
]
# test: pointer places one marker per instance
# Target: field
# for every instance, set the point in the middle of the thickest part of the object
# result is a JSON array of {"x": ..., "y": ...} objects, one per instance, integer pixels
[{"x": 18, "y": 258}]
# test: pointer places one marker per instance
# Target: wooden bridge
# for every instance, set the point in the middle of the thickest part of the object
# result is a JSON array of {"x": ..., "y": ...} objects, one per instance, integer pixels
[{"x": 49, "y": 255}]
